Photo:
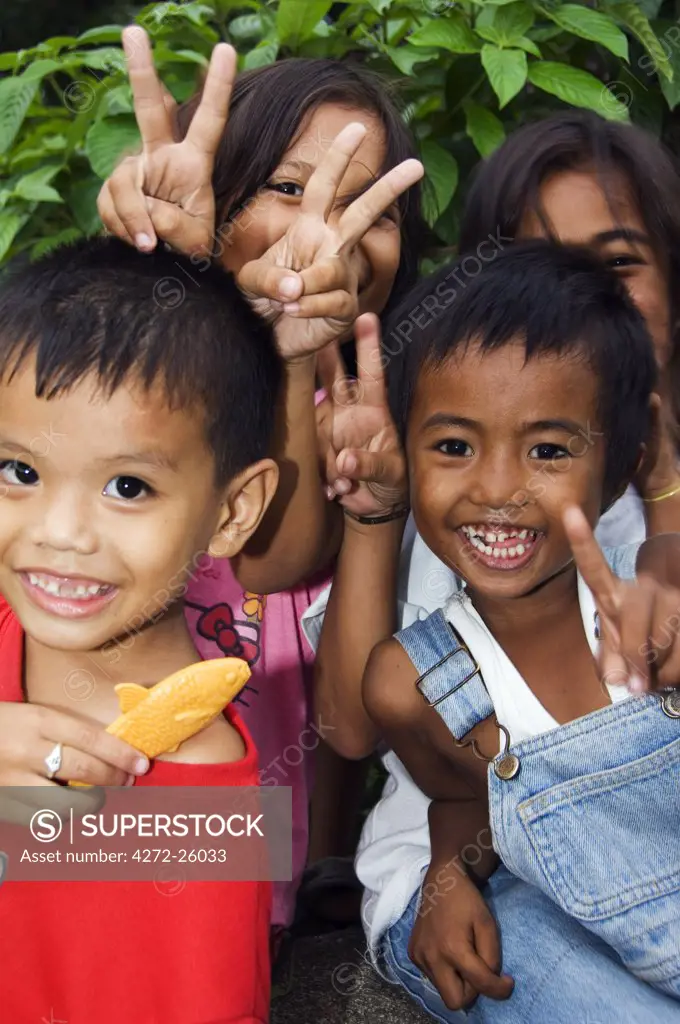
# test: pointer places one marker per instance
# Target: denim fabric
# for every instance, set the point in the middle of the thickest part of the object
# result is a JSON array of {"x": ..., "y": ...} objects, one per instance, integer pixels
[
  {"x": 592, "y": 818},
  {"x": 563, "y": 974},
  {"x": 450, "y": 681}
]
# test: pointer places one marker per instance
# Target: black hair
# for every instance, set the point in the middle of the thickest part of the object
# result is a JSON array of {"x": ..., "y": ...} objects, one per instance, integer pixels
[
  {"x": 556, "y": 300},
  {"x": 101, "y": 308},
  {"x": 267, "y": 111},
  {"x": 507, "y": 185}
]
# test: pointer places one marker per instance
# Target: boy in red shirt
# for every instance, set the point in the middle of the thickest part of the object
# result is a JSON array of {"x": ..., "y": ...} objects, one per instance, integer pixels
[{"x": 137, "y": 400}]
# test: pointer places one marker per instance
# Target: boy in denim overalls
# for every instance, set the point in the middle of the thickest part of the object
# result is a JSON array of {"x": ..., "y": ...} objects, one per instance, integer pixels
[{"x": 524, "y": 407}]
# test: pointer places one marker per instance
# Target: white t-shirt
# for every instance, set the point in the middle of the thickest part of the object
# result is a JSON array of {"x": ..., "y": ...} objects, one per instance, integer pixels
[{"x": 394, "y": 848}]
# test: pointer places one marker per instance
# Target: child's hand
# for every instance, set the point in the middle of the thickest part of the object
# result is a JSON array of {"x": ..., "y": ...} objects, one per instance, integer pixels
[
  {"x": 455, "y": 944},
  {"x": 638, "y": 621},
  {"x": 365, "y": 465},
  {"x": 29, "y": 733},
  {"x": 166, "y": 192},
  {"x": 307, "y": 284}
]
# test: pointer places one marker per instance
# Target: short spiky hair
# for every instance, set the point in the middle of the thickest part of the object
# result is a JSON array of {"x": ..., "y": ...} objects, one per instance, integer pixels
[
  {"x": 556, "y": 300},
  {"x": 100, "y": 308}
]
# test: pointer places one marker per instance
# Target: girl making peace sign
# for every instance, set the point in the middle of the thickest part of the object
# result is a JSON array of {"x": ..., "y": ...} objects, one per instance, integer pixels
[{"x": 309, "y": 197}]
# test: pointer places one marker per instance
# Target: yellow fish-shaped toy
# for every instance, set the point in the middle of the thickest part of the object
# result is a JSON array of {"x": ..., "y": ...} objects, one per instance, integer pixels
[{"x": 157, "y": 719}]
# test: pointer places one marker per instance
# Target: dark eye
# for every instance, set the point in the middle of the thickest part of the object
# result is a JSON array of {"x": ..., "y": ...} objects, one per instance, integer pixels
[
  {"x": 126, "y": 487},
  {"x": 14, "y": 472},
  {"x": 623, "y": 261},
  {"x": 548, "y": 451},
  {"x": 285, "y": 188},
  {"x": 455, "y": 447}
]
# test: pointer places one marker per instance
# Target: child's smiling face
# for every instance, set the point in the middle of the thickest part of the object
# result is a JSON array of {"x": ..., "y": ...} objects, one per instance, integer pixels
[
  {"x": 273, "y": 210},
  {"x": 496, "y": 449},
  {"x": 104, "y": 503}
]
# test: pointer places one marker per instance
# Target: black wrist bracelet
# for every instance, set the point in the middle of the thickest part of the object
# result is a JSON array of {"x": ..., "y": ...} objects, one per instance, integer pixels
[{"x": 387, "y": 517}]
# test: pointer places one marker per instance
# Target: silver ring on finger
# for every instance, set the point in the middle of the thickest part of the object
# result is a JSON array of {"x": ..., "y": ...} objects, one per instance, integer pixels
[{"x": 53, "y": 760}]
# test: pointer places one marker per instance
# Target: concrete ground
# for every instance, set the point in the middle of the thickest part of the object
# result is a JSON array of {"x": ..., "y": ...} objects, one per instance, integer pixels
[{"x": 327, "y": 979}]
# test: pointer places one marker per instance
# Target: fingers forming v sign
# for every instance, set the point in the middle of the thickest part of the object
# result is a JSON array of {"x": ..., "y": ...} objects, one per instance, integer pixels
[
  {"x": 365, "y": 466},
  {"x": 640, "y": 646},
  {"x": 309, "y": 275},
  {"x": 167, "y": 191}
]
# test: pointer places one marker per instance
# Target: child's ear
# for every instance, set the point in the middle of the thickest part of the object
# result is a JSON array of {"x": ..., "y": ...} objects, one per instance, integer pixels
[{"x": 246, "y": 499}]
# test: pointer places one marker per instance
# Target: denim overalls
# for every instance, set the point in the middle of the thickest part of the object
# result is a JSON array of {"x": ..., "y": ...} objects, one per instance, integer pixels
[{"x": 589, "y": 812}]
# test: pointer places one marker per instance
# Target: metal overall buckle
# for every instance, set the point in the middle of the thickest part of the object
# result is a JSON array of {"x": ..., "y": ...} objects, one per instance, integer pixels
[{"x": 505, "y": 764}]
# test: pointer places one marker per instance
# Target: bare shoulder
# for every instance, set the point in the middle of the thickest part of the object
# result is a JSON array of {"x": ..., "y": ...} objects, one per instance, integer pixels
[
  {"x": 389, "y": 690},
  {"x": 218, "y": 743}
]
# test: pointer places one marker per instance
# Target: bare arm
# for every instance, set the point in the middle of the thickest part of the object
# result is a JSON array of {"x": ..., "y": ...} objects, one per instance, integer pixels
[
  {"x": 301, "y": 531},
  {"x": 362, "y": 611}
]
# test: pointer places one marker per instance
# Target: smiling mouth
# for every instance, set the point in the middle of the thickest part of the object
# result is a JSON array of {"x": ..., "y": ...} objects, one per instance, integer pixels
[
  {"x": 502, "y": 548},
  {"x": 67, "y": 596}
]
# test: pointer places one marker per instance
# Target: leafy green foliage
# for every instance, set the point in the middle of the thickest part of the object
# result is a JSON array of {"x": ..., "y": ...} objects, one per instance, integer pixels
[{"x": 467, "y": 72}]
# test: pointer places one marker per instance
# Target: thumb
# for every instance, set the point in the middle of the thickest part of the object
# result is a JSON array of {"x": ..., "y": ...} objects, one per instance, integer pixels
[
  {"x": 387, "y": 469},
  {"x": 264, "y": 281}
]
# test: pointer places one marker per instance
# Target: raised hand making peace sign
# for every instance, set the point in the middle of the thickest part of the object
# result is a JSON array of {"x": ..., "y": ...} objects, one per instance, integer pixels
[
  {"x": 323, "y": 291},
  {"x": 639, "y": 622},
  {"x": 167, "y": 190},
  {"x": 312, "y": 279}
]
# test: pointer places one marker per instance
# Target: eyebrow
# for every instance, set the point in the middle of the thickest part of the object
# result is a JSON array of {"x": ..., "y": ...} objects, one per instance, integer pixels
[
  {"x": 622, "y": 235},
  {"x": 442, "y": 419},
  {"x": 148, "y": 457}
]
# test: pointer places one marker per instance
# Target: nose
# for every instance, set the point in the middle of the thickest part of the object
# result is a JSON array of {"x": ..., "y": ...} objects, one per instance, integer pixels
[
  {"x": 500, "y": 482},
  {"x": 66, "y": 523}
]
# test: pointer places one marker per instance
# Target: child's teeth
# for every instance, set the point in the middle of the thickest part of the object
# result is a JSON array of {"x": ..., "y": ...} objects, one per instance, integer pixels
[
  {"x": 523, "y": 535},
  {"x": 512, "y": 552},
  {"x": 496, "y": 552},
  {"x": 66, "y": 590},
  {"x": 520, "y": 549}
]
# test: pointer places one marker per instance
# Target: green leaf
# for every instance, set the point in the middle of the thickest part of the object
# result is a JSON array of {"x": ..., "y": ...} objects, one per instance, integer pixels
[
  {"x": 35, "y": 186},
  {"x": 16, "y": 96},
  {"x": 451, "y": 33},
  {"x": 406, "y": 57},
  {"x": 262, "y": 55},
  {"x": 117, "y": 100},
  {"x": 631, "y": 16},
  {"x": 247, "y": 26},
  {"x": 524, "y": 43},
  {"x": 46, "y": 245},
  {"x": 578, "y": 88},
  {"x": 39, "y": 68},
  {"x": 483, "y": 127},
  {"x": 107, "y": 140},
  {"x": 55, "y": 45},
  {"x": 8, "y": 61},
  {"x": 505, "y": 25},
  {"x": 10, "y": 226},
  {"x": 296, "y": 19},
  {"x": 506, "y": 71},
  {"x": 380, "y": 5},
  {"x": 81, "y": 197},
  {"x": 441, "y": 171},
  {"x": 671, "y": 89},
  {"x": 107, "y": 58},
  {"x": 103, "y": 34},
  {"x": 592, "y": 25}
]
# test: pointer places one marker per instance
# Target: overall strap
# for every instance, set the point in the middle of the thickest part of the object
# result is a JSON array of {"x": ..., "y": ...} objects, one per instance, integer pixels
[{"x": 450, "y": 679}]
